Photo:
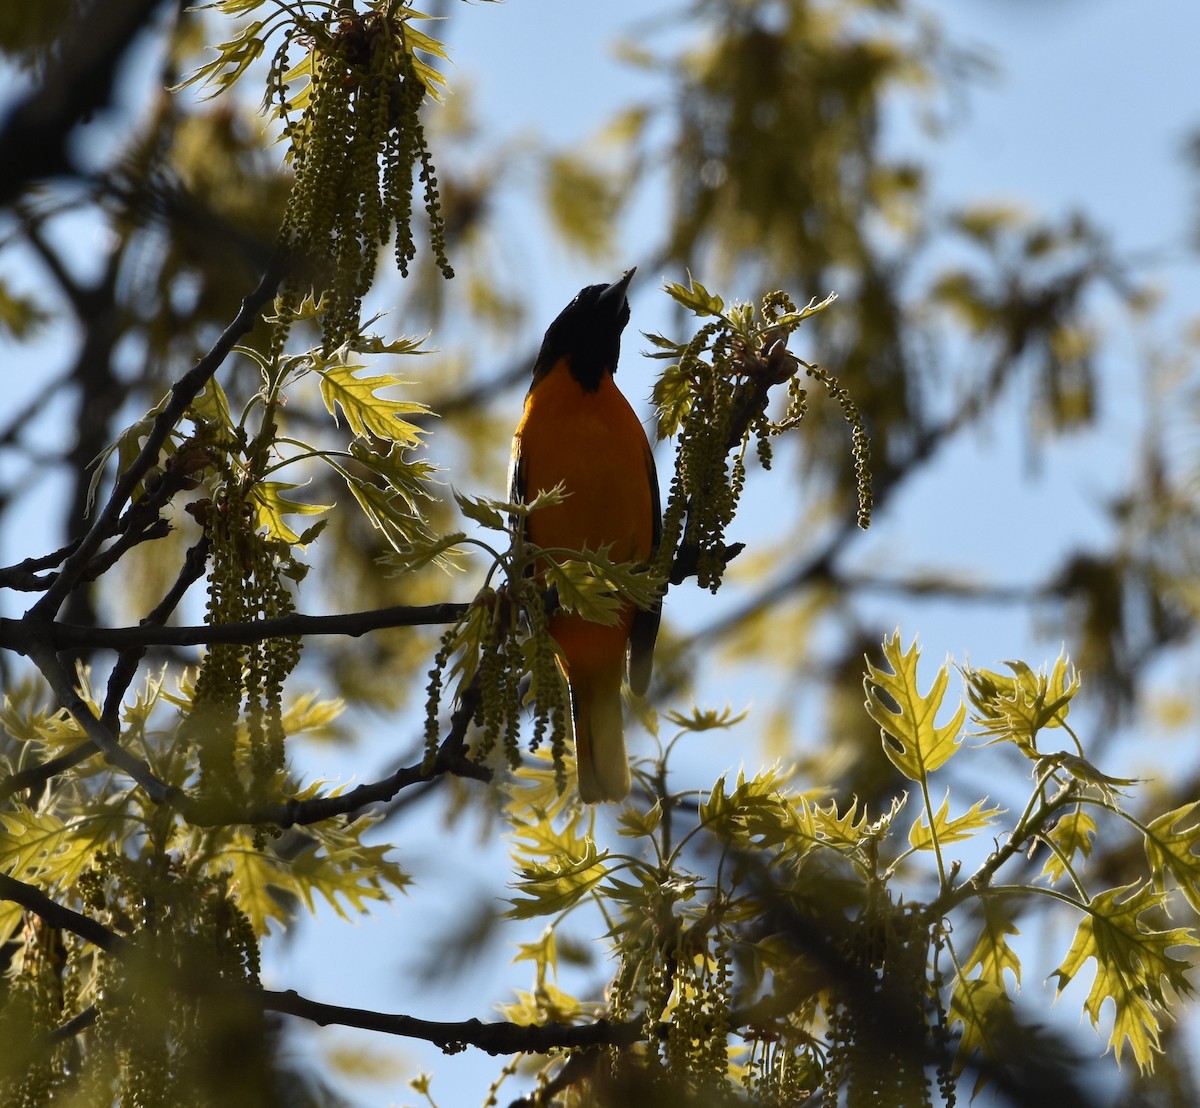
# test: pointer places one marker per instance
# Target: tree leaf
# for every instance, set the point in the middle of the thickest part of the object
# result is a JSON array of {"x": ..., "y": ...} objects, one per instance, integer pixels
[
  {"x": 984, "y": 1011},
  {"x": 581, "y": 589},
  {"x": 976, "y": 818},
  {"x": 270, "y": 506},
  {"x": 212, "y": 406},
  {"x": 992, "y": 954},
  {"x": 487, "y": 513},
  {"x": 1014, "y": 709},
  {"x": 556, "y": 872},
  {"x": 911, "y": 739},
  {"x": 1132, "y": 961},
  {"x": 335, "y": 865},
  {"x": 695, "y": 297},
  {"x": 20, "y": 316},
  {"x": 367, "y": 414},
  {"x": 1171, "y": 850},
  {"x": 637, "y": 823},
  {"x": 1072, "y": 834}
]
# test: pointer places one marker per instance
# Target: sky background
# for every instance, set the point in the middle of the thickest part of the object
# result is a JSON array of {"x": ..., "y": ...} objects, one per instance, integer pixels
[{"x": 1088, "y": 109}]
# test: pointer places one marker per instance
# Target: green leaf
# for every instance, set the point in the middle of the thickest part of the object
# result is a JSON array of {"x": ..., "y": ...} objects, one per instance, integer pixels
[
  {"x": 270, "y": 506},
  {"x": 1171, "y": 842},
  {"x": 20, "y": 316},
  {"x": 1014, "y": 709},
  {"x": 25, "y": 717},
  {"x": 756, "y": 815},
  {"x": 376, "y": 344},
  {"x": 543, "y": 953},
  {"x": 581, "y": 589},
  {"x": 487, "y": 513},
  {"x": 911, "y": 739},
  {"x": 706, "y": 719},
  {"x": 671, "y": 348},
  {"x": 583, "y": 199},
  {"x": 1132, "y": 961},
  {"x": 566, "y": 872},
  {"x": 695, "y": 297},
  {"x": 992, "y": 954},
  {"x": 126, "y": 448},
  {"x": 212, "y": 406},
  {"x": 334, "y": 865},
  {"x": 840, "y": 829},
  {"x": 46, "y": 849},
  {"x": 984, "y": 1011},
  {"x": 1086, "y": 773},
  {"x": 638, "y": 824},
  {"x": 672, "y": 401},
  {"x": 1072, "y": 834},
  {"x": 418, "y": 551},
  {"x": 409, "y": 477},
  {"x": 233, "y": 59},
  {"x": 922, "y": 837},
  {"x": 365, "y": 413}
]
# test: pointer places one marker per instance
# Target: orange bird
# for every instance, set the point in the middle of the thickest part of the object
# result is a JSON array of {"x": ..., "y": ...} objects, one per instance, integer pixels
[{"x": 579, "y": 430}]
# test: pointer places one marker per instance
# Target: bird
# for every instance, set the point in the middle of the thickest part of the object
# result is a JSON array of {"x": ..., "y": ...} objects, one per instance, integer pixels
[{"x": 578, "y": 429}]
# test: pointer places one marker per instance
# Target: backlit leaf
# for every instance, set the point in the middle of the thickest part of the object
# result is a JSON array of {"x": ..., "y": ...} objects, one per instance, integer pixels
[
  {"x": 1015, "y": 709},
  {"x": 270, "y": 506},
  {"x": 695, "y": 297},
  {"x": 911, "y": 738},
  {"x": 1171, "y": 842},
  {"x": 364, "y": 411},
  {"x": 1132, "y": 962},
  {"x": 992, "y": 955},
  {"x": 1072, "y": 834},
  {"x": 948, "y": 830}
]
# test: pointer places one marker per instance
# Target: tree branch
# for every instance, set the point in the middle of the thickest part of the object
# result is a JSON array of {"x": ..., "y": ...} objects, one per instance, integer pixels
[
  {"x": 494, "y": 1038},
  {"x": 126, "y": 666},
  {"x": 32, "y": 899},
  {"x": 41, "y": 651},
  {"x": 182, "y": 393},
  {"x": 14, "y": 633}
]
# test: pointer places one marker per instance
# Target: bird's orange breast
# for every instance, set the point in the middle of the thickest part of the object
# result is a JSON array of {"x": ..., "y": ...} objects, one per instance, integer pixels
[{"x": 594, "y": 444}]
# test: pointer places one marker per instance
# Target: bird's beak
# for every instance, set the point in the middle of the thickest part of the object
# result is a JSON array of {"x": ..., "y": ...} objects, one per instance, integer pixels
[{"x": 614, "y": 295}]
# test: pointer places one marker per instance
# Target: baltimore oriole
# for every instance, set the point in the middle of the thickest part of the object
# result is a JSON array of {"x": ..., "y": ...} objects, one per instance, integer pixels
[{"x": 579, "y": 430}]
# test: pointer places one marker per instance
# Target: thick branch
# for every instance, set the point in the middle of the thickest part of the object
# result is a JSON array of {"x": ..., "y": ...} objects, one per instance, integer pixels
[
  {"x": 32, "y": 899},
  {"x": 494, "y": 1038},
  {"x": 14, "y": 634}
]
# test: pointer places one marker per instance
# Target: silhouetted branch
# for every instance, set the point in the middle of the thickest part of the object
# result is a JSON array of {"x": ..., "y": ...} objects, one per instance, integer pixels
[
  {"x": 32, "y": 899},
  {"x": 495, "y": 1038},
  {"x": 65, "y": 636},
  {"x": 183, "y": 392}
]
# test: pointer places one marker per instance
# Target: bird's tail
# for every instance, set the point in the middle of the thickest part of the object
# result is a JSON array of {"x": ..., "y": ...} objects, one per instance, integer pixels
[{"x": 602, "y": 765}]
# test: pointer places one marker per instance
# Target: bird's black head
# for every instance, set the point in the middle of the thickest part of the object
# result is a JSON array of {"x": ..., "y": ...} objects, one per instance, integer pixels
[{"x": 587, "y": 333}]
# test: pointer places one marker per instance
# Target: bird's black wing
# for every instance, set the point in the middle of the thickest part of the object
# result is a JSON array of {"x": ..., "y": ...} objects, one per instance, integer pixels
[{"x": 646, "y": 620}]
